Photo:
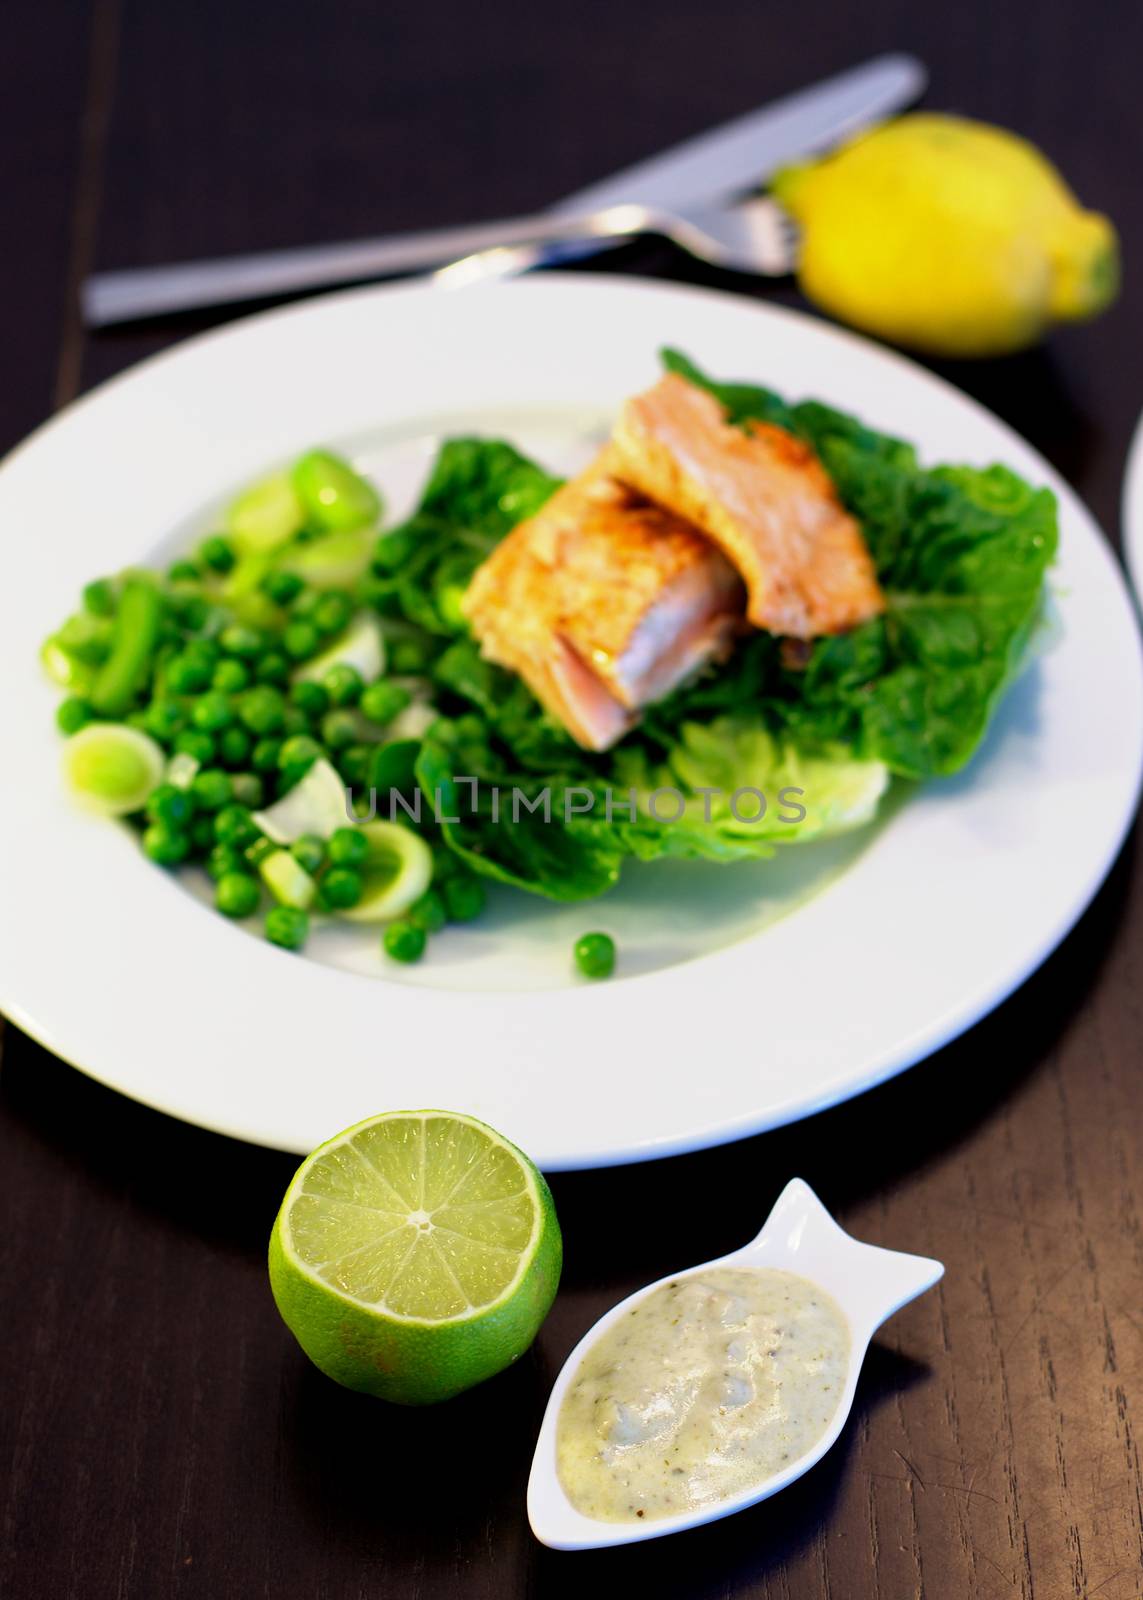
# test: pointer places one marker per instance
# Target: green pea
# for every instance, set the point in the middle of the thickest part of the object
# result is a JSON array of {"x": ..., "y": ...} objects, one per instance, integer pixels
[
  {"x": 265, "y": 755},
  {"x": 248, "y": 790},
  {"x": 382, "y": 701},
  {"x": 204, "y": 651},
  {"x": 230, "y": 676},
  {"x": 309, "y": 852},
  {"x": 182, "y": 572},
  {"x": 347, "y": 847},
  {"x": 196, "y": 744},
  {"x": 211, "y": 789},
  {"x": 340, "y": 889},
  {"x": 217, "y": 553},
  {"x": 273, "y": 668},
  {"x": 464, "y": 898},
  {"x": 300, "y": 751},
  {"x": 73, "y": 714},
  {"x": 185, "y": 675},
  {"x": 334, "y": 496},
  {"x": 307, "y": 603},
  {"x": 238, "y": 640},
  {"x": 404, "y": 941},
  {"x": 343, "y": 685},
  {"x": 237, "y": 894},
  {"x": 212, "y": 712},
  {"x": 393, "y": 550},
  {"x": 100, "y": 598},
  {"x": 339, "y": 729},
  {"x": 595, "y": 955},
  {"x": 166, "y": 846},
  {"x": 428, "y": 913},
  {"x": 408, "y": 657},
  {"x": 262, "y": 710},
  {"x": 332, "y": 613},
  {"x": 234, "y": 826},
  {"x": 163, "y": 720},
  {"x": 193, "y": 612},
  {"x": 286, "y": 926},
  {"x": 173, "y": 807},
  {"x": 234, "y": 746},
  {"x": 354, "y": 762},
  {"x": 223, "y": 859},
  {"x": 282, "y": 587},
  {"x": 300, "y": 640},
  {"x": 310, "y": 699}
]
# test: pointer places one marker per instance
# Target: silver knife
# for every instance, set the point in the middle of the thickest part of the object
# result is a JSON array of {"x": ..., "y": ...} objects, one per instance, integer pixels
[{"x": 725, "y": 161}]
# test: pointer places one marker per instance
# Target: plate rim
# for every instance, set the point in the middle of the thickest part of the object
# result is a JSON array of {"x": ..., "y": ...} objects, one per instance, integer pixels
[{"x": 940, "y": 1030}]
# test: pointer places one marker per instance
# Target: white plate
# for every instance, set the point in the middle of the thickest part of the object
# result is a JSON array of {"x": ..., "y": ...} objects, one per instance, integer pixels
[
  {"x": 1132, "y": 514},
  {"x": 729, "y": 1020}
]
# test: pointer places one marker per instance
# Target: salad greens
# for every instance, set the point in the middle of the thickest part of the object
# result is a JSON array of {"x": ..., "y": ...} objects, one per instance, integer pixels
[{"x": 300, "y": 652}]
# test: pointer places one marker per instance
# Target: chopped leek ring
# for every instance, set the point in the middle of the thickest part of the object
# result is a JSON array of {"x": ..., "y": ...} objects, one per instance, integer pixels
[
  {"x": 361, "y": 646},
  {"x": 112, "y": 768},
  {"x": 316, "y": 804},
  {"x": 395, "y": 873}
]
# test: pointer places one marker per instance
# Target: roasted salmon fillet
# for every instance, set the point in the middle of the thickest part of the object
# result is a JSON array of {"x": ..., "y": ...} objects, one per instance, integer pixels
[
  {"x": 765, "y": 500},
  {"x": 603, "y": 602}
]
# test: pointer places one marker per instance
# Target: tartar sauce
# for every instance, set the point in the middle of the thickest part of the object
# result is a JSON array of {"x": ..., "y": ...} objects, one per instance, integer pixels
[{"x": 707, "y": 1387}]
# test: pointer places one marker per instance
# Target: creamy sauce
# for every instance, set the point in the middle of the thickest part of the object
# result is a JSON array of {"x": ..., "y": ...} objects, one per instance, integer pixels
[{"x": 709, "y": 1386}]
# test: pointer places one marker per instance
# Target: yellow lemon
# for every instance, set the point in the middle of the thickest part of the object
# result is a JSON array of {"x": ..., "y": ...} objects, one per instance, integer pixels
[{"x": 948, "y": 235}]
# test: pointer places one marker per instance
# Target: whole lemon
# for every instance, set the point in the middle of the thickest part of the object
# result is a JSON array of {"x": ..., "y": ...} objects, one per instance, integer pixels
[{"x": 948, "y": 235}]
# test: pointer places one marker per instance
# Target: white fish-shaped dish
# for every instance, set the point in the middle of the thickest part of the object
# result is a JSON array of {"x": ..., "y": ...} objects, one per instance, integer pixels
[{"x": 868, "y": 1284}]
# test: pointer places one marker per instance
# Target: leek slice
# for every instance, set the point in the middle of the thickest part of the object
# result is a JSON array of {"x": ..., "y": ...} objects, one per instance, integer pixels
[
  {"x": 361, "y": 646},
  {"x": 395, "y": 873},
  {"x": 112, "y": 768},
  {"x": 316, "y": 804}
]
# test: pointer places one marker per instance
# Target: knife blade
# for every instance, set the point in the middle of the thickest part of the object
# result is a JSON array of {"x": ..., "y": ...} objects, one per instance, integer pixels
[
  {"x": 726, "y": 160},
  {"x": 743, "y": 153},
  {"x": 722, "y": 163}
]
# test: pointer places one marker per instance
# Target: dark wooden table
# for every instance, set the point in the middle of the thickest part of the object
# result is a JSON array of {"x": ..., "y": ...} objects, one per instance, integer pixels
[{"x": 160, "y": 1433}]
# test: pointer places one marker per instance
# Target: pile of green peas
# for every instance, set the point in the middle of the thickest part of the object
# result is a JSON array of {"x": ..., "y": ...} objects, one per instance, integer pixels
[
  {"x": 206, "y": 662},
  {"x": 219, "y": 688}
]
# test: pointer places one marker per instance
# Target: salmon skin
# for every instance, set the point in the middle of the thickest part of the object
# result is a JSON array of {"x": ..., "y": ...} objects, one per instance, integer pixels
[
  {"x": 765, "y": 500},
  {"x": 603, "y": 603}
]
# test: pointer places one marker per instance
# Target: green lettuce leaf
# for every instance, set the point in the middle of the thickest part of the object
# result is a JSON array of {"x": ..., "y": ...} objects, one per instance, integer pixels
[
  {"x": 504, "y": 838},
  {"x": 479, "y": 489},
  {"x": 569, "y": 835},
  {"x": 961, "y": 554}
]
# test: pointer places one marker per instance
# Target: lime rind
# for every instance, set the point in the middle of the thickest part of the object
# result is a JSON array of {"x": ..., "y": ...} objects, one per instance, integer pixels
[{"x": 347, "y": 1295}]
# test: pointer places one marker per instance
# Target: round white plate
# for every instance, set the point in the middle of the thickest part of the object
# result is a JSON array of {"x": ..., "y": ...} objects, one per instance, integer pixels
[
  {"x": 746, "y": 998},
  {"x": 1132, "y": 515}
]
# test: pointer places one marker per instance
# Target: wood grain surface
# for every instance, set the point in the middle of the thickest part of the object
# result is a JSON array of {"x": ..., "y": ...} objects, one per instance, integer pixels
[{"x": 160, "y": 1433}]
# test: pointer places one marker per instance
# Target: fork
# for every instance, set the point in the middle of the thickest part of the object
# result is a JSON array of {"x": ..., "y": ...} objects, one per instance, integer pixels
[{"x": 754, "y": 235}]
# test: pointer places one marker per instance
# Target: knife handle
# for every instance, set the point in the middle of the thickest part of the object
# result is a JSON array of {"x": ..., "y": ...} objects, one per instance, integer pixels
[{"x": 111, "y": 297}]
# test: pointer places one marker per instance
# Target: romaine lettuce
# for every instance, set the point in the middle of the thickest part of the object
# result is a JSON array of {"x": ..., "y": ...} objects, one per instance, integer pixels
[{"x": 961, "y": 554}]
